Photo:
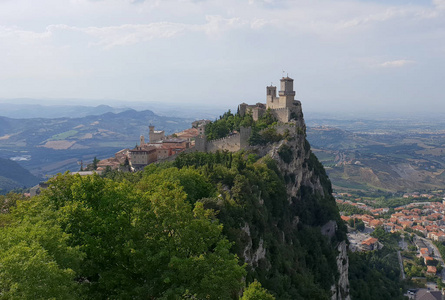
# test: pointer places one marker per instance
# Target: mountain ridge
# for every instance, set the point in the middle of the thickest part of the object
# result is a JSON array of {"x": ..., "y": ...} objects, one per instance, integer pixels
[{"x": 13, "y": 176}]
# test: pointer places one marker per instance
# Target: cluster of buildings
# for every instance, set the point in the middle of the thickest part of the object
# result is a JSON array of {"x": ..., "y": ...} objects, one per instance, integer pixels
[
  {"x": 426, "y": 255},
  {"x": 427, "y": 218},
  {"x": 418, "y": 195},
  {"x": 159, "y": 147},
  {"x": 424, "y": 218}
]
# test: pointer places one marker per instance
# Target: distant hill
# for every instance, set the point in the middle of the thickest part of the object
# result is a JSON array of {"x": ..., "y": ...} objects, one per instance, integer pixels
[
  {"x": 47, "y": 146},
  {"x": 75, "y": 108},
  {"x": 27, "y": 111},
  {"x": 13, "y": 176}
]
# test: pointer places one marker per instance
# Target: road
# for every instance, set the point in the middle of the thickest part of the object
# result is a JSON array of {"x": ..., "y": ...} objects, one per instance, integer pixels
[
  {"x": 402, "y": 244},
  {"x": 402, "y": 271}
]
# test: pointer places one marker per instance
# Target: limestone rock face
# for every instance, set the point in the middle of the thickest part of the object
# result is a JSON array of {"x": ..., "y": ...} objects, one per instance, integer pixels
[
  {"x": 341, "y": 289},
  {"x": 294, "y": 158}
]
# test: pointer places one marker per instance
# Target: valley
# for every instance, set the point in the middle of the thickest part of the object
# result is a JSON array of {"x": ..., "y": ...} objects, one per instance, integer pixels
[{"x": 391, "y": 155}]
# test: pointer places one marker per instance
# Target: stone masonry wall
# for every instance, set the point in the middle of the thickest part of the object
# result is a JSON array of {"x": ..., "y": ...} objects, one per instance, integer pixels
[
  {"x": 231, "y": 143},
  {"x": 282, "y": 114}
]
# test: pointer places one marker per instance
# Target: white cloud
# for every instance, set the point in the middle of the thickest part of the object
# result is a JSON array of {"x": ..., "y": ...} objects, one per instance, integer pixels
[
  {"x": 23, "y": 36},
  {"x": 440, "y": 4},
  {"x": 320, "y": 41},
  {"x": 126, "y": 34},
  {"x": 130, "y": 34},
  {"x": 396, "y": 63}
]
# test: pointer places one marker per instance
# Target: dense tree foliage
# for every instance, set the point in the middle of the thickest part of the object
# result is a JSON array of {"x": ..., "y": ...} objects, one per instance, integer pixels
[
  {"x": 261, "y": 134},
  {"x": 106, "y": 239},
  {"x": 348, "y": 209},
  {"x": 174, "y": 230},
  {"x": 376, "y": 274},
  {"x": 252, "y": 193},
  {"x": 256, "y": 292}
]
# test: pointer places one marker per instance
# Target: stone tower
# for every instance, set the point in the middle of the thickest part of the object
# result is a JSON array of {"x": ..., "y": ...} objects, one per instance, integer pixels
[
  {"x": 272, "y": 99},
  {"x": 287, "y": 93},
  {"x": 155, "y": 135},
  {"x": 142, "y": 141}
]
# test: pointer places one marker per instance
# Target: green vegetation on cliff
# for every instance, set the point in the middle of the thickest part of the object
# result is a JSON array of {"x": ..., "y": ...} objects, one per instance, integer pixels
[
  {"x": 228, "y": 122},
  {"x": 183, "y": 229}
]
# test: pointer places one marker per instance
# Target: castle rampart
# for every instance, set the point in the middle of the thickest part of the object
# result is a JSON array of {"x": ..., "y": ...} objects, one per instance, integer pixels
[{"x": 232, "y": 143}]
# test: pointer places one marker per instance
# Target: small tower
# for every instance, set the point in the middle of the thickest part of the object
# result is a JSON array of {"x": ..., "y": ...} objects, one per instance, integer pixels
[
  {"x": 287, "y": 93},
  {"x": 155, "y": 136},
  {"x": 272, "y": 100},
  {"x": 242, "y": 109},
  {"x": 142, "y": 141}
]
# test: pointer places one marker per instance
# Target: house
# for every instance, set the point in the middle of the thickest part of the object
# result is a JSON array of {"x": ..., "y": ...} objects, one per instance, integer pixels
[
  {"x": 111, "y": 162},
  {"x": 406, "y": 224},
  {"x": 163, "y": 152},
  {"x": 375, "y": 223},
  {"x": 427, "y": 259},
  {"x": 345, "y": 218},
  {"x": 420, "y": 229},
  {"x": 425, "y": 294},
  {"x": 370, "y": 244},
  {"x": 142, "y": 156},
  {"x": 188, "y": 134},
  {"x": 424, "y": 252},
  {"x": 432, "y": 270}
]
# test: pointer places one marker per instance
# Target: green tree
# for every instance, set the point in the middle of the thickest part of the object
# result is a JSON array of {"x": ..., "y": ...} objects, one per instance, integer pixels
[
  {"x": 36, "y": 262},
  {"x": 95, "y": 161},
  {"x": 256, "y": 292},
  {"x": 145, "y": 240},
  {"x": 359, "y": 225}
]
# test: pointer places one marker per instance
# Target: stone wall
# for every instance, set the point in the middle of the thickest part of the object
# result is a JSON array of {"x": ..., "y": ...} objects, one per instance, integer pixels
[
  {"x": 257, "y": 112},
  {"x": 282, "y": 114},
  {"x": 231, "y": 143}
]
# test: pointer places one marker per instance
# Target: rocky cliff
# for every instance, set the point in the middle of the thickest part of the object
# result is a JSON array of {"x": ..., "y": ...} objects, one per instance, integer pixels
[
  {"x": 311, "y": 209},
  {"x": 275, "y": 202}
]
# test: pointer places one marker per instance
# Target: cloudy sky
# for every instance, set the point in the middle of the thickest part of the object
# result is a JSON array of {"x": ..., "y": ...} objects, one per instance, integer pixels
[{"x": 343, "y": 54}]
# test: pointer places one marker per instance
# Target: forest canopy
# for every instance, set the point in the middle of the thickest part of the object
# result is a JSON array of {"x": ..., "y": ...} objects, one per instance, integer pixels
[{"x": 173, "y": 231}]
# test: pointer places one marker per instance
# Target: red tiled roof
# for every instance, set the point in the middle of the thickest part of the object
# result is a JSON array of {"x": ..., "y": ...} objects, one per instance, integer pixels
[{"x": 370, "y": 241}]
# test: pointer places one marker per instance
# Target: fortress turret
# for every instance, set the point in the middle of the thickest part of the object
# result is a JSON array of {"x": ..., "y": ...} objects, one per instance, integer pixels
[
  {"x": 272, "y": 99},
  {"x": 287, "y": 93}
]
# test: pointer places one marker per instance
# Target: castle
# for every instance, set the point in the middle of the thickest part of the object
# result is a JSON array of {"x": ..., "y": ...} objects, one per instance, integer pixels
[{"x": 284, "y": 107}]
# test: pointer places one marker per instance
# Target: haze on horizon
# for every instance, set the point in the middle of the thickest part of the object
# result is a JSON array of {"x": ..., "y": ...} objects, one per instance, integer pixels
[{"x": 345, "y": 55}]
